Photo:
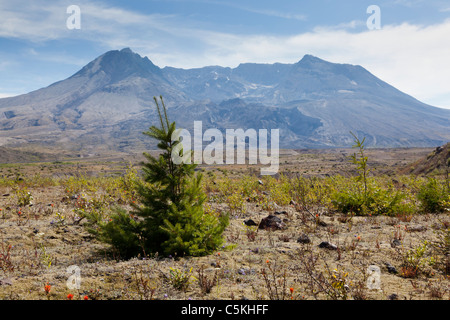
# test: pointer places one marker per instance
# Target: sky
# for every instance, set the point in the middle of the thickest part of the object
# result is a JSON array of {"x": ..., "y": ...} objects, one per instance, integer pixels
[{"x": 403, "y": 42}]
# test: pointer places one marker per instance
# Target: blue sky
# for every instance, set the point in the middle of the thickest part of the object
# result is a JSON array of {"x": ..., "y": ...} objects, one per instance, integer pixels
[{"x": 411, "y": 50}]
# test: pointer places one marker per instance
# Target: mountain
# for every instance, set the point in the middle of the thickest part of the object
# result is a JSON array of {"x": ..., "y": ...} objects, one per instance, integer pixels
[
  {"x": 109, "y": 103},
  {"x": 437, "y": 161}
]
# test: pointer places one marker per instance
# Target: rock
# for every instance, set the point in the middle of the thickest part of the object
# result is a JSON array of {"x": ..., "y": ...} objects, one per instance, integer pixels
[
  {"x": 322, "y": 223},
  {"x": 250, "y": 222},
  {"x": 390, "y": 268},
  {"x": 395, "y": 243},
  {"x": 272, "y": 222},
  {"x": 280, "y": 212},
  {"x": 393, "y": 296},
  {"x": 260, "y": 182},
  {"x": 328, "y": 245},
  {"x": 304, "y": 239}
]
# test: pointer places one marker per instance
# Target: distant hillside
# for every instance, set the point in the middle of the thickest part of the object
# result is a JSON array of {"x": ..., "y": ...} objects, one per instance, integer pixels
[
  {"x": 9, "y": 155},
  {"x": 436, "y": 161}
]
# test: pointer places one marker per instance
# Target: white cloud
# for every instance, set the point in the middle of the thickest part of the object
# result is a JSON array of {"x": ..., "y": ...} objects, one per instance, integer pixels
[
  {"x": 278, "y": 14},
  {"x": 415, "y": 59}
]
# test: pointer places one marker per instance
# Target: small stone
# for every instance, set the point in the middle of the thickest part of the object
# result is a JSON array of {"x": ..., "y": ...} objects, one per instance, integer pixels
[
  {"x": 260, "y": 182},
  {"x": 280, "y": 212},
  {"x": 304, "y": 239},
  {"x": 390, "y": 268},
  {"x": 250, "y": 222},
  {"x": 272, "y": 222},
  {"x": 322, "y": 223},
  {"x": 393, "y": 296},
  {"x": 328, "y": 245},
  {"x": 395, "y": 243}
]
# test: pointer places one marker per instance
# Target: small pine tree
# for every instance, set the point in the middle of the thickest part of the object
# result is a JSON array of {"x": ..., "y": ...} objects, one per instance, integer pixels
[
  {"x": 169, "y": 218},
  {"x": 360, "y": 161},
  {"x": 172, "y": 199}
]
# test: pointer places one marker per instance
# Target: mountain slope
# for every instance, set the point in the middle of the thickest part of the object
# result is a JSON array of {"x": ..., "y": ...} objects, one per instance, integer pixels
[
  {"x": 437, "y": 161},
  {"x": 315, "y": 103}
]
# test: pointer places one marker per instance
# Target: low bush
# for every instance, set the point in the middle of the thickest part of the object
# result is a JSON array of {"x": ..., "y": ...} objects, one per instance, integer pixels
[{"x": 433, "y": 196}]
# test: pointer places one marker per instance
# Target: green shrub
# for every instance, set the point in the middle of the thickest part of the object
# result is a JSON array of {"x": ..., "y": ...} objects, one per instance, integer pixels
[
  {"x": 365, "y": 196},
  {"x": 375, "y": 201},
  {"x": 24, "y": 197},
  {"x": 180, "y": 279},
  {"x": 120, "y": 230},
  {"x": 432, "y": 196}
]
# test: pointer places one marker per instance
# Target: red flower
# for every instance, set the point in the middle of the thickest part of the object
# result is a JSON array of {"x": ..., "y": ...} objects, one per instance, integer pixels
[
  {"x": 86, "y": 298},
  {"x": 70, "y": 296},
  {"x": 292, "y": 290},
  {"x": 47, "y": 288}
]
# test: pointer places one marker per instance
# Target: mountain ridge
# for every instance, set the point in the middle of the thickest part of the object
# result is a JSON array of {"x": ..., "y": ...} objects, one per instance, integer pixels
[{"x": 314, "y": 103}]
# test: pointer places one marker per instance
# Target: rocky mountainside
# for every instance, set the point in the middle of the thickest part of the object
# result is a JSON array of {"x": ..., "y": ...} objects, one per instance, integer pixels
[
  {"x": 438, "y": 161},
  {"x": 109, "y": 102}
]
